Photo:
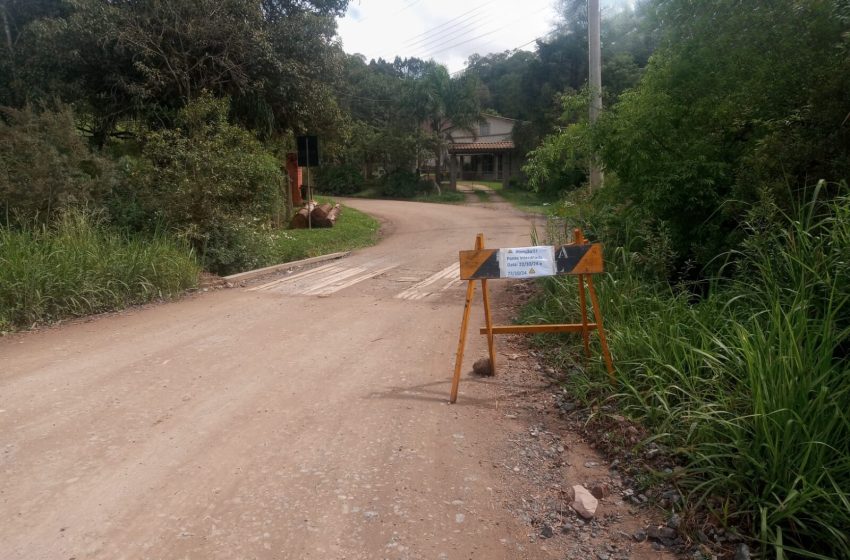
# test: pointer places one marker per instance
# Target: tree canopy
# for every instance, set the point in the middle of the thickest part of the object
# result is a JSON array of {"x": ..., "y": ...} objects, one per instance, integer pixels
[{"x": 278, "y": 60}]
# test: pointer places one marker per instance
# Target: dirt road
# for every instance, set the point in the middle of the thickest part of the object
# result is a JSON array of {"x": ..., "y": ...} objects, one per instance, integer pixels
[{"x": 300, "y": 417}]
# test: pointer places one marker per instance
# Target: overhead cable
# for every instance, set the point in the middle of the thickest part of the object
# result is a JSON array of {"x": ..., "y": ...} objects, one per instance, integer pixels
[
  {"x": 416, "y": 38},
  {"x": 442, "y": 49}
]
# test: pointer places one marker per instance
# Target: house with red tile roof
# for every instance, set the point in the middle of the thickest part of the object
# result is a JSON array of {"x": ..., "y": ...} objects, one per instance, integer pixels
[{"x": 485, "y": 153}]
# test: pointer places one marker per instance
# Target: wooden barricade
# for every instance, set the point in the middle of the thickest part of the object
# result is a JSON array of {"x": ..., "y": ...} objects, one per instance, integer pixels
[{"x": 579, "y": 259}]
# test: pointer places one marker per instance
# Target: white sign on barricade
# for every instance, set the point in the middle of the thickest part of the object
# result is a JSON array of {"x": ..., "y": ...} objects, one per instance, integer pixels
[{"x": 527, "y": 262}]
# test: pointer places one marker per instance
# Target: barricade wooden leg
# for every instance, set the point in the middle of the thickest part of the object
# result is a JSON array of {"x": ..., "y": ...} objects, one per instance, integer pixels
[
  {"x": 585, "y": 332},
  {"x": 578, "y": 237},
  {"x": 597, "y": 315},
  {"x": 488, "y": 318},
  {"x": 488, "y": 322},
  {"x": 470, "y": 292}
]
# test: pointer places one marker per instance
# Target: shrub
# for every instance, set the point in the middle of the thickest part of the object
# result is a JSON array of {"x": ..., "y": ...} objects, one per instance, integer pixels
[
  {"x": 76, "y": 266},
  {"x": 404, "y": 184},
  {"x": 207, "y": 179},
  {"x": 45, "y": 164},
  {"x": 339, "y": 179},
  {"x": 561, "y": 161},
  {"x": 235, "y": 246},
  {"x": 688, "y": 144}
]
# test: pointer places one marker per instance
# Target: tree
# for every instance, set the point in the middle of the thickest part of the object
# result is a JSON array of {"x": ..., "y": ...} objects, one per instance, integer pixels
[
  {"x": 146, "y": 59},
  {"x": 15, "y": 19},
  {"x": 527, "y": 85},
  {"x": 444, "y": 104},
  {"x": 45, "y": 165},
  {"x": 210, "y": 181},
  {"x": 739, "y": 100}
]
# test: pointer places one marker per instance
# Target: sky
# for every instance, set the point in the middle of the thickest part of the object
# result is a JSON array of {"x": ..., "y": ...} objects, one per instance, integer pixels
[{"x": 446, "y": 30}]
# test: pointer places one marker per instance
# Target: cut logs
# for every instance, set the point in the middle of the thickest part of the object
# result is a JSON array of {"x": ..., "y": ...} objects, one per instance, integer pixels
[
  {"x": 317, "y": 215},
  {"x": 328, "y": 219},
  {"x": 320, "y": 212},
  {"x": 300, "y": 219}
]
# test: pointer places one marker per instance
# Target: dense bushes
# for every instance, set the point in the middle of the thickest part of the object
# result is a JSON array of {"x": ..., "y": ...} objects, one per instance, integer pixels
[
  {"x": 404, "y": 184},
  {"x": 738, "y": 99},
  {"x": 77, "y": 265},
  {"x": 205, "y": 185},
  {"x": 727, "y": 300},
  {"x": 559, "y": 163},
  {"x": 45, "y": 164},
  {"x": 339, "y": 179},
  {"x": 748, "y": 384},
  {"x": 210, "y": 181},
  {"x": 717, "y": 119}
]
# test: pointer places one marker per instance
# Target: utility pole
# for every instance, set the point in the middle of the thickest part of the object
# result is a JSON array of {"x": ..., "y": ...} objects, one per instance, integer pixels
[{"x": 594, "y": 49}]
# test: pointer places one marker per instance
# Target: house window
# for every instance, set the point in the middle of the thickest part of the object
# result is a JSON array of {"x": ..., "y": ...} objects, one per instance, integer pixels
[{"x": 484, "y": 129}]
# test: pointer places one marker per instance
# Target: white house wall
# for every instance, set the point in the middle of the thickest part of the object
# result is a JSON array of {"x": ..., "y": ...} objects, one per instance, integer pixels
[{"x": 501, "y": 130}]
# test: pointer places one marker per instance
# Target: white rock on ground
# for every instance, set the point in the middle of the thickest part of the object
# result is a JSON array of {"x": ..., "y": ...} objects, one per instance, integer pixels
[{"x": 584, "y": 502}]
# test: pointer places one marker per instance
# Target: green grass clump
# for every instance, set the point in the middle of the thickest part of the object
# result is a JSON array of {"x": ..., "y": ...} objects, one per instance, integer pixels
[
  {"x": 749, "y": 384},
  {"x": 77, "y": 266},
  {"x": 353, "y": 229}
]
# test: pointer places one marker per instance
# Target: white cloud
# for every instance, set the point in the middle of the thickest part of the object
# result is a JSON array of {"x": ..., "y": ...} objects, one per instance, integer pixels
[{"x": 446, "y": 30}]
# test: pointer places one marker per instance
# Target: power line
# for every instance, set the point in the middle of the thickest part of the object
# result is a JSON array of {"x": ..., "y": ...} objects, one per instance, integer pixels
[
  {"x": 456, "y": 32},
  {"x": 442, "y": 25},
  {"x": 434, "y": 52},
  {"x": 449, "y": 34},
  {"x": 407, "y": 6},
  {"x": 462, "y": 26}
]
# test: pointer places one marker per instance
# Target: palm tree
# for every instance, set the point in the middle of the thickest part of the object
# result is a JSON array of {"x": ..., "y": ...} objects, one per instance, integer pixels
[{"x": 443, "y": 104}]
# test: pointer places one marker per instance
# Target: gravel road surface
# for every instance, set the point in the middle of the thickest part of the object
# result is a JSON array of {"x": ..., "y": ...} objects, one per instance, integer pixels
[{"x": 301, "y": 416}]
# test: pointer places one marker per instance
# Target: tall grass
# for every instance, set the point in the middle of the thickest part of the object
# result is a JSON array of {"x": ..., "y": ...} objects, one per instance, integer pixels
[
  {"x": 750, "y": 385},
  {"x": 77, "y": 265}
]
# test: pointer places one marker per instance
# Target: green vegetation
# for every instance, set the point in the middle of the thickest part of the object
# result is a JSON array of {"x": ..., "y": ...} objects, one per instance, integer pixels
[
  {"x": 404, "y": 184},
  {"x": 343, "y": 179},
  {"x": 690, "y": 149},
  {"x": 353, "y": 230},
  {"x": 78, "y": 265},
  {"x": 528, "y": 86},
  {"x": 168, "y": 124},
  {"x": 398, "y": 115},
  {"x": 207, "y": 180},
  {"x": 559, "y": 162},
  {"x": 130, "y": 65},
  {"x": 727, "y": 292},
  {"x": 747, "y": 385},
  {"x": 45, "y": 165}
]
